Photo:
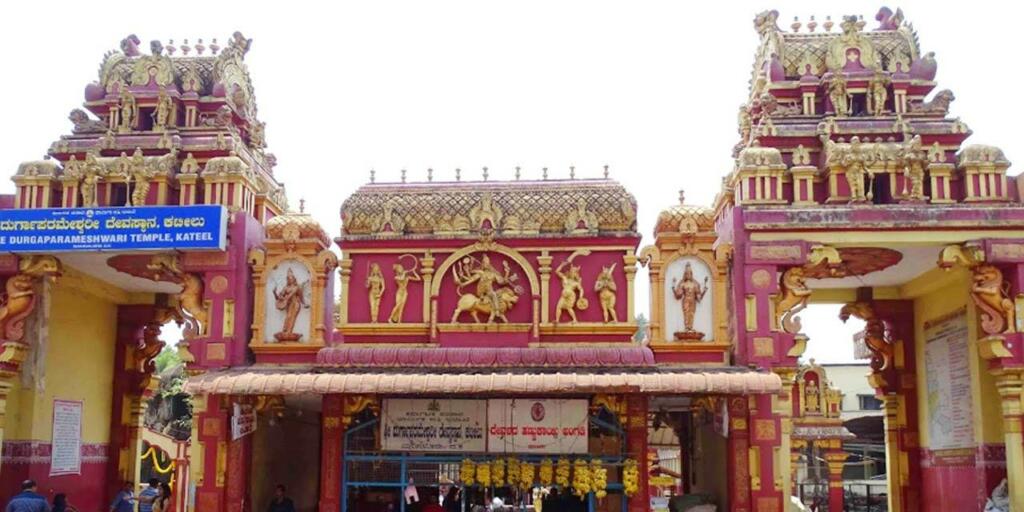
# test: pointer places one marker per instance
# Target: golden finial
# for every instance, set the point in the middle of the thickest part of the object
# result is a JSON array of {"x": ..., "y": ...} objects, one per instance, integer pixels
[
  {"x": 214, "y": 47},
  {"x": 170, "y": 47},
  {"x": 403, "y": 175},
  {"x": 458, "y": 174},
  {"x": 430, "y": 174},
  {"x": 682, "y": 196},
  {"x": 373, "y": 176},
  {"x": 811, "y": 25},
  {"x": 517, "y": 173},
  {"x": 302, "y": 205},
  {"x": 545, "y": 173},
  {"x": 572, "y": 172},
  {"x": 796, "y": 24},
  {"x": 185, "y": 48},
  {"x": 606, "y": 171},
  {"x": 200, "y": 48},
  {"x": 828, "y": 24},
  {"x": 485, "y": 173}
]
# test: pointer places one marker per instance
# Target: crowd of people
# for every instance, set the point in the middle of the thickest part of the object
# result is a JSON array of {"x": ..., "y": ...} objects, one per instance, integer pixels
[{"x": 154, "y": 498}]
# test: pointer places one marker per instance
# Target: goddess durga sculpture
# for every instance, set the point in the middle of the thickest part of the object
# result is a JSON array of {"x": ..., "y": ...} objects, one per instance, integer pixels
[
  {"x": 291, "y": 299},
  {"x": 690, "y": 293}
]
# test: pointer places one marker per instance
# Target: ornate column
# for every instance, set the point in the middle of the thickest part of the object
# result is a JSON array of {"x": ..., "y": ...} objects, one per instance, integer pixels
[
  {"x": 544, "y": 267},
  {"x": 738, "y": 465},
  {"x": 650, "y": 257},
  {"x": 766, "y": 484},
  {"x": 210, "y": 431},
  {"x": 894, "y": 424},
  {"x": 636, "y": 446},
  {"x": 783, "y": 409},
  {"x": 331, "y": 453},
  {"x": 345, "y": 265},
  {"x": 427, "y": 273},
  {"x": 835, "y": 457},
  {"x": 1009, "y": 384},
  {"x": 629, "y": 267}
]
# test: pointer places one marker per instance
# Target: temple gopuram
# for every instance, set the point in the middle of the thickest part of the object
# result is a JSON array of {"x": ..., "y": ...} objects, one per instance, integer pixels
[{"x": 476, "y": 343}]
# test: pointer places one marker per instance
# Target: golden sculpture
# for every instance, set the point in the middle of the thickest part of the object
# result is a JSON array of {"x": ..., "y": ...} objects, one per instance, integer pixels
[
  {"x": 938, "y": 105},
  {"x": 189, "y": 165},
  {"x": 853, "y": 161},
  {"x": 148, "y": 348},
  {"x": 90, "y": 180},
  {"x": 402, "y": 277},
  {"x": 495, "y": 294},
  {"x": 375, "y": 285},
  {"x": 914, "y": 159},
  {"x": 20, "y": 298},
  {"x": 572, "y": 291},
  {"x": 292, "y": 300},
  {"x": 190, "y": 300},
  {"x": 878, "y": 92},
  {"x": 990, "y": 294},
  {"x": 838, "y": 95},
  {"x": 141, "y": 174},
  {"x": 876, "y": 338},
  {"x": 606, "y": 291},
  {"x": 795, "y": 295},
  {"x": 164, "y": 111},
  {"x": 690, "y": 293},
  {"x": 812, "y": 397},
  {"x": 129, "y": 111}
]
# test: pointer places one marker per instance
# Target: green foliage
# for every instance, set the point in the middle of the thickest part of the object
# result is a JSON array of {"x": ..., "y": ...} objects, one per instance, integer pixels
[{"x": 167, "y": 358}]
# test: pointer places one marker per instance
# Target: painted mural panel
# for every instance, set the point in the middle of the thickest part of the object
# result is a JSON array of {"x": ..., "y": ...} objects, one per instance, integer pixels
[
  {"x": 947, "y": 364},
  {"x": 287, "y": 303},
  {"x": 688, "y": 300}
]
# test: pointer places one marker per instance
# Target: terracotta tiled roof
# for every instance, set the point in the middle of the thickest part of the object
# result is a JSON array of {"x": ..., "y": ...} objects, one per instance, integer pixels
[
  {"x": 253, "y": 381},
  {"x": 476, "y": 357}
]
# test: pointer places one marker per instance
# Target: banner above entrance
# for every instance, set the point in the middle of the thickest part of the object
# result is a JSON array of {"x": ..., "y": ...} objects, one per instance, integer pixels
[
  {"x": 143, "y": 228},
  {"x": 431, "y": 425},
  {"x": 529, "y": 425}
]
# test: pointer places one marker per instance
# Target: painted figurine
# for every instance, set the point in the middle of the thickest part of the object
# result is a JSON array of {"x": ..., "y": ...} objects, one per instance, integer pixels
[
  {"x": 129, "y": 109},
  {"x": 605, "y": 288},
  {"x": 375, "y": 284},
  {"x": 878, "y": 92},
  {"x": 402, "y": 277},
  {"x": 837, "y": 95},
  {"x": 812, "y": 397},
  {"x": 291, "y": 300},
  {"x": 572, "y": 291},
  {"x": 690, "y": 293},
  {"x": 494, "y": 294},
  {"x": 164, "y": 111},
  {"x": 141, "y": 174}
]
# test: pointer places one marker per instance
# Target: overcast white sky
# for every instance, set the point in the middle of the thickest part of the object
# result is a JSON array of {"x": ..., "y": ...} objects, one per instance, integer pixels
[{"x": 650, "y": 88}]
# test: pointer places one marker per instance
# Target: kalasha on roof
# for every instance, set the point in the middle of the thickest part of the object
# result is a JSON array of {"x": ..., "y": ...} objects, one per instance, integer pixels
[{"x": 519, "y": 209}]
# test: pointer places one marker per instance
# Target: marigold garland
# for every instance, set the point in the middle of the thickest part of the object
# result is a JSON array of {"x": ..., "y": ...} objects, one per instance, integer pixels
[
  {"x": 512, "y": 471},
  {"x": 581, "y": 483},
  {"x": 547, "y": 472},
  {"x": 498, "y": 472},
  {"x": 467, "y": 472},
  {"x": 483, "y": 474},
  {"x": 526, "y": 472},
  {"x": 599, "y": 478},
  {"x": 630, "y": 477},
  {"x": 562, "y": 473}
]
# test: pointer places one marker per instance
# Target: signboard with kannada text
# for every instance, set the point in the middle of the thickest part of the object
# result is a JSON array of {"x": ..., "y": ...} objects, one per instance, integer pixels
[
  {"x": 143, "y": 228},
  {"x": 432, "y": 425},
  {"x": 531, "y": 425}
]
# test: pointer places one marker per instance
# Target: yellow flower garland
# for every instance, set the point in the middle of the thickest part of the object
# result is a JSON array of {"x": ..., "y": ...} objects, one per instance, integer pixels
[
  {"x": 599, "y": 478},
  {"x": 547, "y": 472},
  {"x": 630, "y": 477},
  {"x": 526, "y": 471},
  {"x": 581, "y": 483},
  {"x": 467, "y": 472},
  {"x": 562, "y": 473}
]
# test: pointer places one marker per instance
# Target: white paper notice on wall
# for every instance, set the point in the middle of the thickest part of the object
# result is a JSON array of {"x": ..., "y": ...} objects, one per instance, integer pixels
[{"x": 66, "y": 451}]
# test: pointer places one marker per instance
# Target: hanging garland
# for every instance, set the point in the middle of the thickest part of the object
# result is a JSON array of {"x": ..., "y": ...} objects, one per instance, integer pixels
[
  {"x": 547, "y": 472},
  {"x": 498, "y": 472},
  {"x": 483, "y": 474},
  {"x": 581, "y": 483},
  {"x": 630, "y": 477},
  {"x": 513, "y": 471},
  {"x": 151, "y": 454},
  {"x": 467, "y": 472},
  {"x": 526, "y": 472},
  {"x": 562, "y": 473},
  {"x": 599, "y": 478}
]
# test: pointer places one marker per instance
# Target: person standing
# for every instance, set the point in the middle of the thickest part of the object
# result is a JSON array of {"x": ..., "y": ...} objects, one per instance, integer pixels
[
  {"x": 163, "y": 498},
  {"x": 28, "y": 500},
  {"x": 125, "y": 499},
  {"x": 281, "y": 502},
  {"x": 148, "y": 495},
  {"x": 60, "y": 503}
]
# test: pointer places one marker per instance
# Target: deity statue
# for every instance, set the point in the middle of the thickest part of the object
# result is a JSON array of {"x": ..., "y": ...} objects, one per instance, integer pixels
[
  {"x": 90, "y": 179},
  {"x": 494, "y": 295},
  {"x": 853, "y": 162},
  {"x": 690, "y": 293},
  {"x": 164, "y": 111},
  {"x": 375, "y": 285},
  {"x": 402, "y": 277},
  {"x": 878, "y": 92},
  {"x": 838, "y": 95},
  {"x": 129, "y": 111},
  {"x": 189, "y": 165},
  {"x": 291, "y": 300},
  {"x": 812, "y": 396},
  {"x": 605, "y": 288},
  {"x": 572, "y": 291},
  {"x": 913, "y": 159},
  {"x": 141, "y": 174}
]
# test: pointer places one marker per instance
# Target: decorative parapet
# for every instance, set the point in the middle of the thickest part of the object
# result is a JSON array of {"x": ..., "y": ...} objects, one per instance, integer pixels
[
  {"x": 761, "y": 173},
  {"x": 983, "y": 169}
]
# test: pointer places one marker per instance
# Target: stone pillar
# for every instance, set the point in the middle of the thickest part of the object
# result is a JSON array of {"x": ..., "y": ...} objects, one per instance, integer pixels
[
  {"x": 894, "y": 423},
  {"x": 331, "y": 453},
  {"x": 1009, "y": 385},
  {"x": 738, "y": 464},
  {"x": 636, "y": 446},
  {"x": 835, "y": 457}
]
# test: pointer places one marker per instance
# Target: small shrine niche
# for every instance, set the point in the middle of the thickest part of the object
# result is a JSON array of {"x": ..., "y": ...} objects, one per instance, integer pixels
[
  {"x": 815, "y": 396},
  {"x": 292, "y": 274},
  {"x": 688, "y": 287}
]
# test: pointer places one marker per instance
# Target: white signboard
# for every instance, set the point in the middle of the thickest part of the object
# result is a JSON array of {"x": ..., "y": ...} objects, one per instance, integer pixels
[
  {"x": 527, "y": 425},
  {"x": 430, "y": 425},
  {"x": 243, "y": 421},
  {"x": 66, "y": 454},
  {"x": 948, "y": 374}
]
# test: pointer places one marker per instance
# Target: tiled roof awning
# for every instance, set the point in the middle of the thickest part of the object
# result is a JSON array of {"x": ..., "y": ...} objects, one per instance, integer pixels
[
  {"x": 489, "y": 357},
  {"x": 283, "y": 382}
]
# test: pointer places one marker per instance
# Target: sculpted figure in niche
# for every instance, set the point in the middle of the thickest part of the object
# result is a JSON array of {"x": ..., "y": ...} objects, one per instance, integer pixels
[
  {"x": 572, "y": 291},
  {"x": 837, "y": 94},
  {"x": 494, "y": 295},
  {"x": 402, "y": 277},
  {"x": 291, "y": 299},
  {"x": 129, "y": 110},
  {"x": 605, "y": 288},
  {"x": 375, "y": 285},
  {"x": 141, "y": 174},
  {"x": 812, "y": 396},
  {"x": 878, "y": 92},
  {"x": 90, "y": 179},
  {"x": 690, "y": 293},
  {"x": 164, "y": 111}
]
